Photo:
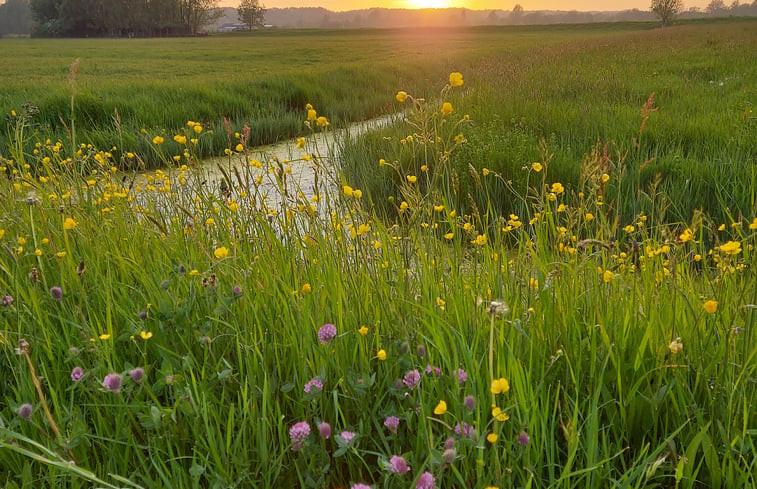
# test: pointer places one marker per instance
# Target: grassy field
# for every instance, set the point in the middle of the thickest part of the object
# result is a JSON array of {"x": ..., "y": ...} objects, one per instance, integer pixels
[
  {"x": 263, "y": 80},
  {"x": 480, "y": 309}
]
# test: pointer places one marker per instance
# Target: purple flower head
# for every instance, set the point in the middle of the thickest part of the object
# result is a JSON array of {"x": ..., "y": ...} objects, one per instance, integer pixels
[
  {"x": 392, "y": 422},
  {"x": 449, "y": 443},
  {"x": 347, "y": 436},
  {"x": 112, "y": 382},
  {"x": 433, "y": 370},
  {"x": 313, "y": 386},
  {"x": 523, "y": 438},
  {"x": 326, "y": 333},
  {"x": 56, "y": 292},
  {"x": 7, "y": 300},
  {"x": 142, "y": 315},
  {"x": 237, "y": 290},
  {"x": 426, "y": 481},
  {"x": 398, "y": 384},
  {"x": 360, "y": 485},
  {"x": 137, "y": 374},
  {"x": 411, "y": 379},
  {"x": 470, "y": 402},
  {"x": 462, "y": 376},
  {"x": 77, "y": 373},
  {"x": 297, "y": 433},
  {"x": 398, "y": 465},
  {"x": 324, "y": 429},
  {"x": 465, "y": 430},
  {"x": 25, "y": 411}
]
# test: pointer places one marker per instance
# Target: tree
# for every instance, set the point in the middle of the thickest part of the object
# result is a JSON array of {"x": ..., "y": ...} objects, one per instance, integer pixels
[
  {"x": 15, "y": 17},
  {"x": 251, "y": 13},
  {"x": 666, "y": 9},
  {"x": 716, "y": 7}
]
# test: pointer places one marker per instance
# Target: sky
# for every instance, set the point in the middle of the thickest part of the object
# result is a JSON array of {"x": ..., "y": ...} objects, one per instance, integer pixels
[{"x": 581, "y": 5}]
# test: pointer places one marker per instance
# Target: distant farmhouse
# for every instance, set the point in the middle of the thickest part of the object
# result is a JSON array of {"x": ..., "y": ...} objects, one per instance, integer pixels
[{"x": 234, "y": 27}]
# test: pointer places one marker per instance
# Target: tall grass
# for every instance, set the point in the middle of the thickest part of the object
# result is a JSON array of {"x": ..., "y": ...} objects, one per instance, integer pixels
[{"x": 568, "y": 351}]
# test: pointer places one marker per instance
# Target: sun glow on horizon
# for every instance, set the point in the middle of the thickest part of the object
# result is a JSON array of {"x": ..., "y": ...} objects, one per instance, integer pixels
[{"x": 419, "y": 4}]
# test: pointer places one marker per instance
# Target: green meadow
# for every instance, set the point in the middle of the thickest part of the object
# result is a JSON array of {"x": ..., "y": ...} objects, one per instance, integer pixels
[{"x": 542, "y": 275}]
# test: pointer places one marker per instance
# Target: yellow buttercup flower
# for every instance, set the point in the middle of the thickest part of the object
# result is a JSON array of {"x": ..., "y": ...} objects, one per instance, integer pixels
[
  {"x": 731, "y": 248},
  {"x": 753, "y": 224},
  {"x": 492, "y": 438},
  {"x": 312, "y": 115},
  {"x": 104, "y": 336},
  {"x": 322, "y": 121},
  {"x": 449, "y": 236},
  {"x": 381, "y": 355},
  {"x": 456, "y": 79},
  {"x": 363, "y": 330},
  {"x": 608, "y": 276},
  {"x": 686, "y": 236},
  {"x": 440, "y": 408},
  {"x": 157, "y": 140},
  {"x": 306, "y": 288},
  {"x": 347, "y": 190},
  {"x": 499, "y": 414},
  {"x": 180, "y": 139},
  {"x": 500, "y": 386},
  {"x": 605, "y": 178},
  {"x": 411, "y": 179},
  {"x": 300, "y": 143},
  {"x": 401, "y": 96},
  {"x": 69, "y": 223},
  {"x": 221, "y": 252},
  {"x": 537, "y": 167},
  {"x": 711, "y": 306},
  {"x": 446, "y": 108},
  {"x": 557, "y": 188},
  {"x": 145, "y": 335}
]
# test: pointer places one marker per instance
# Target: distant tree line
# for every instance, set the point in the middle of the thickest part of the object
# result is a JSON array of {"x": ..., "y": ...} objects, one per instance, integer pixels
[
  {"x": 15, "y": 17},
  {"x": 121, "y": 18}
]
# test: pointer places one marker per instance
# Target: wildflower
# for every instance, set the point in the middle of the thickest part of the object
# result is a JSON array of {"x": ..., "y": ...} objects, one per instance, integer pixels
[
  {"x": 426, "y": 481},
  {"x": 537, "y": 167},
  {"x": 398, "y": 465},
  {"x": 608, "y": 276},
  {"x": 324, "y": 429},
  {"x": 297, "y": 434},
  {"x": 446, "y": 108},
  {"x": 440, "y": 408},
  {"x": 381, "y": 355},
  {"x": 237, "y": 290},
  {"x": 629, "y": 228},
  {"x": 357, "y": 193},
  {"x": 180, "y": 139},
  {"x": 462, "y": 376},
  {"x": 449, "y": 236},
  {"x": 313, "y": 386},
  {"x": 69, "y": 223},
  {"x": 675, "y": 346},
  {"x": 710, "y": 306},
  {"x": 145, "y": 335},
  {"x": 456, "y": 79},
  {"x": 77, "y": 373},
  {"x": 360, "y": 485},
  {"x": 730, "y": 248},
  {"x": 411, "y": 179},
  {"x": 605, "y": 178},
  {"x": 312, "y": 115},
  {"x": 392, "y": 423},
  {"x": 485, "y": 172},
  {"x": 753, "y": 224},
  {"x": 104, "y": 336},
  {"x": 403, "y": 206},
  {"x": 449, "y": 443},
  {"x": 137, "y": 374},
  {"x": 557, "y": 188},
  {"x": 7, "y": 300},
  {"x": 470, "y": 402},
  {"x": 347, "y": 190},
  {"x": 411, "y": 379},
  {"x": 347, "y": 436},
  {"x": 523, "y": 438},
  {"x": 322, "y": 121},
  {"x": 449, "y": 456},
  {"x": 480, "y": 240},
  {"x": 363, "y": 330},
  {"x": 500, "y": 386},
  {"x": 686, "y": 236},
  {"x": 492, "y": 438},
  {"x": 157, "y": 140},
  {"x": 326, "y": 333},
  {"x": 25, "y": 411},
  {"x": 221, "y": 252},
  {"x": 306, "y": 288},
  {"x": 499, "y": 414},
  {"x": 465, "y": 430},
  {"x": 112, "y": 382},
  {"x": 401, "y": 97},
  {"x": 56, "y": 292},
  {"x": 588, "y": 216}
]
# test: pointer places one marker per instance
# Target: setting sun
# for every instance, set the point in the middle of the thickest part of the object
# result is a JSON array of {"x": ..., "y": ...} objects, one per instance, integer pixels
[{"x": 428, "y": 3}]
